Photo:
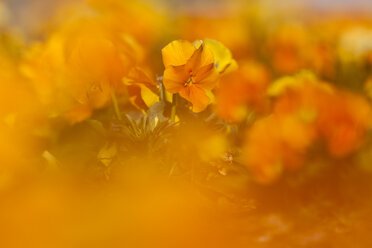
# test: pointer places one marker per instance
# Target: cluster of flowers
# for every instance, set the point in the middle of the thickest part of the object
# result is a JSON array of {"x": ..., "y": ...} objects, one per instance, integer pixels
[
  {"x": 109, "y": 58},
  {"x": 305, "y": 112}
]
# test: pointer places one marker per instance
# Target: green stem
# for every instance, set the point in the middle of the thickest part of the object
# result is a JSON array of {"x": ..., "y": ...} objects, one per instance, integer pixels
[
  {"x": 116, "y": 105},
  {"x": 174, "y": 107},
  {"x": 162, "y": 91}
]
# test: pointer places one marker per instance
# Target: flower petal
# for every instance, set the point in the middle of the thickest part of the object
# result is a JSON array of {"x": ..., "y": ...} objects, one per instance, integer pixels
[
  {"x": 203, "y": 56},
  {"x": 203, "y": 72},
  {"x": 174, "y": 78},
  {"x": 196, "y": 96},
  {"x": 177, "y": 53},
  {"x": 134, "y": 92},
  {"x": 207, "y": 77},
  {"x": 222, "y": 56}
]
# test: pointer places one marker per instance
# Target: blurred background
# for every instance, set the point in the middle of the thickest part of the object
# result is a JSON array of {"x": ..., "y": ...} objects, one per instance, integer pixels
[{"x": 25, "y": 14}]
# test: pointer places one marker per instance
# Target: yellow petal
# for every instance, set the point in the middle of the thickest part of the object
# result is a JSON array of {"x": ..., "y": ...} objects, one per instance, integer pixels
[
  {"x": 222, "y": 56},
  {"x": 281, "y": 85},
  {"x": 141, "y": 88},
  {"x": 211, "y": 96},
  {"x": 149, "y": 97},
  {"x": 289, "y": 82},
  {"x": 177, "y": 53},
  {"x": 233, "y": 66}
]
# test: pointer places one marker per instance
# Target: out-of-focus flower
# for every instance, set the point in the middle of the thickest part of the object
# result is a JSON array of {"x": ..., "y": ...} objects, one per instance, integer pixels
[
  {"x": 20, "y": 115},
  {"x": 343, "y": 123},
  {"x": 137, "y": 18},
  {"x": 355, "y": 44},
  {"x": 276, "y": 143},
  {"x": 322, "y": 59},
  {"x": 288, "y": 47},
  {"x": 232, "y": 32},
  {"x": 341, "y": 119},
  {"x": 142, "y": 89},
  {"x": 82, "y": 63},
  {"x": 189, "y": 71},
  {"x": 305, "y": 111},
  {"x": 242, "y": 91},
  {"x": 117, "y": 53}
]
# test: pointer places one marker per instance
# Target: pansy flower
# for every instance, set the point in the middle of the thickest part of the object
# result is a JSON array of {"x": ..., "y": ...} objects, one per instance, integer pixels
[{"x": 190, "y": 71}]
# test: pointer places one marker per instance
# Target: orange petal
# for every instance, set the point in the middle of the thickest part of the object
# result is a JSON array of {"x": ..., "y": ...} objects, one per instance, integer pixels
[
  {"x": 174, "y": 78},
  {"x": 134, "y": 92},
  {"x": 207, "y": 57},
  {"x": 207, "y": 77},
  {"x": 139, "y": 75},
  {"x": 196, "y": 96},
  {"x": 203, "y": 56},
  {"x": 177, "y": 53}
]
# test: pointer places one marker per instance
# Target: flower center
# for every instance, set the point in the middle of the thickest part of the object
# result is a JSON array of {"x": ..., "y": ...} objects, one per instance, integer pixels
[{"x": 189, "y": 81}]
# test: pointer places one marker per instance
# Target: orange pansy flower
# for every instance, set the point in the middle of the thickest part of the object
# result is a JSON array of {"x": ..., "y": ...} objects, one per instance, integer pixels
[{"x": 189, "y": 71}]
